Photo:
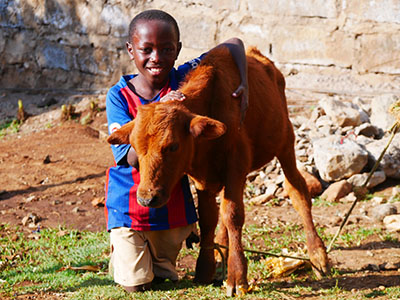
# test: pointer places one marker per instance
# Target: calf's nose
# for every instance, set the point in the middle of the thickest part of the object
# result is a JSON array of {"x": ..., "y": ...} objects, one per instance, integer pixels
[{"x": 148, "y": 202}]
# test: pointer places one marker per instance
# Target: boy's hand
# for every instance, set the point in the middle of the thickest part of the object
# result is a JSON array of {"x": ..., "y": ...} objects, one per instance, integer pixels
[
  {"x": 242, "y": 92},
  {"x": 173, "y": 95},
  {"x": 193, "y": 238}
]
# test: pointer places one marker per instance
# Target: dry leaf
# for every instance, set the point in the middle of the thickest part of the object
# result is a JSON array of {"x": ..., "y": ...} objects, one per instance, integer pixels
[
  {"x": 89, "y": 268},
  {"x": 62, "y": 233}
]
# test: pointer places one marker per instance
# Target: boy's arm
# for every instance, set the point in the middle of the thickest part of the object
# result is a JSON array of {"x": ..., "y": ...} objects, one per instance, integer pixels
[
  {"x": 118, "y": 115},
  {"x": 236, "y": 48}
]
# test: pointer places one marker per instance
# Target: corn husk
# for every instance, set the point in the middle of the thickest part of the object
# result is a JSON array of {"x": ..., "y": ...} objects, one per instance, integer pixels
[{"x": 282, "y": 266}]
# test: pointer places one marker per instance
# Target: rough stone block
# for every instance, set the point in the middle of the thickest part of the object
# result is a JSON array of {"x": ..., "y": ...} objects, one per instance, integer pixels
[
  {"x": 379, "y": 11},
  {"x": 2, "y": 41},
  {"x": 254, "y": 32},
  {"x": 114, "y": 17},
  {"x": 380, "y": 115},
  {"x": 340, "y": 113},
  {"x": 390, "y": 162},
  {"x": 88, "y": 14},
  {"x": 307, "y": 44},
  {"x": 231, "y": 5},
  {"x": 379, "y": 53},
  {"x": 336, "y": 191},
  {"x": 60, "y": 14},
  {"x": 198, "y": 32},
  {"x": 337, "y": 159},
  {"x": 320, "y": 8},
  {"x": 54, "y": 56},
  {"x": 18, "y": 49}
]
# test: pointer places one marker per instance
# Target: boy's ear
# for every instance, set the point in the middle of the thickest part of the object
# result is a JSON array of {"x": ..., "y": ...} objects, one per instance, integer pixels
[
  {"x": 179, "y": 49},
  {"x": 206, "y": 127},
  {"x": 121, "y": 136},
  {"x": 129, "y": 48}
]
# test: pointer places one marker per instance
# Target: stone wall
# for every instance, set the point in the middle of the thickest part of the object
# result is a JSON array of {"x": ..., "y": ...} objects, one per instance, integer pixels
[{"x": 344, "y": 47}]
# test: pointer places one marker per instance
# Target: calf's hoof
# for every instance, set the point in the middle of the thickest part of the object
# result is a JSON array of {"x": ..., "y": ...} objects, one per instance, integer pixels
[
  {"x": 238, "y": 290},
  {"x": 320, "y": 263},
  {"x": 205, "y": 266}
]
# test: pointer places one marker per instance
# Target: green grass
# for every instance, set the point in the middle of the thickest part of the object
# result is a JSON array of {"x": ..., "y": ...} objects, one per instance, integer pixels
[
  {"x": 42, "y": 263},
  {"x": 9, "y": 127},
  {"x": 319, "y": 202}
]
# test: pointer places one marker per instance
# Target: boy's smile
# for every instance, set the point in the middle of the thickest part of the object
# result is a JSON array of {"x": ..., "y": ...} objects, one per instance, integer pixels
[{"x": 154, "y": 48}]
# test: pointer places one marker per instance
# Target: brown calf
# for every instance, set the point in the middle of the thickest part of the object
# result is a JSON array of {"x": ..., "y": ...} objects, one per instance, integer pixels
[{"x": 201, "y": 137}]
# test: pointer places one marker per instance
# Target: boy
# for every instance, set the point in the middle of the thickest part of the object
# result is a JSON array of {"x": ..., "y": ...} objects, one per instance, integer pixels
[{"x": 145, "y": 242}]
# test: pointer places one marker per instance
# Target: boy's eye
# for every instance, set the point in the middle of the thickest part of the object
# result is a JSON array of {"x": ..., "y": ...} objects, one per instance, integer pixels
[
  {"x": 167, "y": 50},
  {"x": 146, "y": 50}
]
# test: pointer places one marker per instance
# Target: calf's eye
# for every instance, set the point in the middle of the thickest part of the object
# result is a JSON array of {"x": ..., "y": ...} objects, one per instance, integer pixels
[{"x": 173, "y": 147}]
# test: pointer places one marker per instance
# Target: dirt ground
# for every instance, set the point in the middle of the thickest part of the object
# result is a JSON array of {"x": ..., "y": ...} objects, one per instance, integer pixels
[{"x": 53, "y": 170}]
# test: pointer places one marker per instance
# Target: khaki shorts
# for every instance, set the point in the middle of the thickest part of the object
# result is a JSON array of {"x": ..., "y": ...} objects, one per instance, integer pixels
[{"x": 138, "y": 256}]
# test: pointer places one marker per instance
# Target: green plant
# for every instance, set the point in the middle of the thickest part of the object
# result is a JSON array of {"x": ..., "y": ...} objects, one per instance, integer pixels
[
  {"x": 9, "y": 127},
  {"x": 319, "y": 202},
  {"x": 374, "y": 294},
  {"x": 388, "y": 237}
]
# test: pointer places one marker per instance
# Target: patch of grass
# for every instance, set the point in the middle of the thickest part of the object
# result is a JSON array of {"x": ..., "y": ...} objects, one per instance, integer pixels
[
  {"x": 374, "y": 294},
  {"x": 368, "y": 197},
  {"x": 9, "y": 127},
  {"x": 319, "y": 202},
  {"x": 392, "y": 292},
  {"x": 356, "y": 237},
  {"x": 388, "y": 237},
  {"x": 333, "y": 291},
  {"x": 42, "y": 263},
  {"x": 273, "y": 239},
  {"x": 273, "y": 202}
]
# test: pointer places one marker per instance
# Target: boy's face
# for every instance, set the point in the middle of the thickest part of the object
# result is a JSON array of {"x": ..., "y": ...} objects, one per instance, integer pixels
[{"x": 154, "y": 47}]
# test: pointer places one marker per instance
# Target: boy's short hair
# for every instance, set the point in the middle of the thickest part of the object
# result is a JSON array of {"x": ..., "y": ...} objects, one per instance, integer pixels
[{"x": 153, "y": 14}]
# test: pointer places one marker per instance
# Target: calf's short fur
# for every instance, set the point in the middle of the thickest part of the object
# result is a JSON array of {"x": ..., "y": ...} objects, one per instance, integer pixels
[{"x": 202, "y": 137}]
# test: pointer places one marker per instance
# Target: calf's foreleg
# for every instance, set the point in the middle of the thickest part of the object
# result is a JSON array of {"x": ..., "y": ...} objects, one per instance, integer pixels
[
  {"x": 232, "y": 217},
  {"x": 208, "y": 219}
]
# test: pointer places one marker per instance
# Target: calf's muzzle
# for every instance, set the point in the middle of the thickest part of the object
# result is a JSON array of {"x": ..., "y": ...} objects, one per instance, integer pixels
[{"x": 151, "y": 199}]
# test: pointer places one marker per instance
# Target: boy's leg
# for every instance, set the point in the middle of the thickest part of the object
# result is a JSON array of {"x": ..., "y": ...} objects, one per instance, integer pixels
[
  {"x": 131, "y": 261},
  {"x": 165, "y": 246}
]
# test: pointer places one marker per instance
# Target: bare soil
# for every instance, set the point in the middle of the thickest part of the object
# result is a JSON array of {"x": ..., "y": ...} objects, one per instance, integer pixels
[{"x": 53, "y": 170}]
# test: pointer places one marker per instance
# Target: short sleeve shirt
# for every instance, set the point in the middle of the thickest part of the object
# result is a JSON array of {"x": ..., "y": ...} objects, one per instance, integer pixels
[{"x": 121, "y": 208}]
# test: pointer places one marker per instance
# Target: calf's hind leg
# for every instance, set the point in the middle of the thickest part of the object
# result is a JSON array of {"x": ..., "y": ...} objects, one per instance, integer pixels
[
  {"x": 298, "y": 193},
  {"x": 221, "y": 237}
]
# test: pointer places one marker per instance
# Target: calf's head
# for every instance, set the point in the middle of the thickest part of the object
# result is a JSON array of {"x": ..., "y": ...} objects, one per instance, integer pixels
[{"x": 164, "y": 136}]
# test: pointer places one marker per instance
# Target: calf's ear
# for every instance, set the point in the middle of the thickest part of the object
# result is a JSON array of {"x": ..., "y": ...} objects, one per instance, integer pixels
[
  {"x": 121, "y": 136},
  {"x": 206, "y": 127}
]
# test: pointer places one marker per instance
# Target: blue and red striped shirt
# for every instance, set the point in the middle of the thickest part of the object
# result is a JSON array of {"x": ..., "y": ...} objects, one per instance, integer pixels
[{"x": 122, "y": 209}]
